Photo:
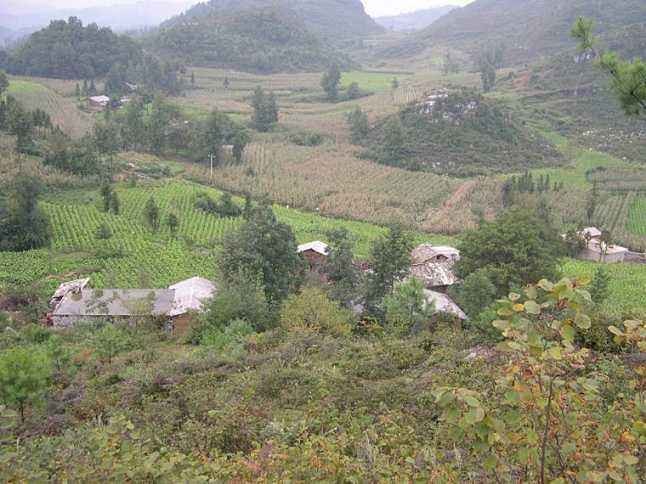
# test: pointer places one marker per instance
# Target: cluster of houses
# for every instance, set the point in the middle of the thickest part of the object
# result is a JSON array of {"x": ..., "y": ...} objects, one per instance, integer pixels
[
  {"x": 76, "y": 301},
  {"x": 433, "y": 265},
  {"x": 101, "y": 102}
]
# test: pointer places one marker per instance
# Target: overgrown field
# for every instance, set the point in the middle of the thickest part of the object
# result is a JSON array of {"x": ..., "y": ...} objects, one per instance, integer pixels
[
  {"x": 135, "y": 256},
  {"x": 63, "y": 110}
]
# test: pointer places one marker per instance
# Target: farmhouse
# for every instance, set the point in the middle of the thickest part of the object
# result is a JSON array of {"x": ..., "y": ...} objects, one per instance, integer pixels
[
  {"x": 597, "y": 250},
  {"x": 98, "y": 102},
  {"x": 115, "y": 305},
  {"x": 74, "y": 302},
  {"x": 433, "y": 265},
  {"x": 315, "y": 253}
]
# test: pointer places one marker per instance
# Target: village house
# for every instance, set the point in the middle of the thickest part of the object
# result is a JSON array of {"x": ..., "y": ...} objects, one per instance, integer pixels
[
  {"x": 315, "y": 253},
  {"x": 74, "y": 302},
  {"x": 433, "y": 265},
  {"x": 98, "y": 102},
  {"x": 597, "y": 250}
]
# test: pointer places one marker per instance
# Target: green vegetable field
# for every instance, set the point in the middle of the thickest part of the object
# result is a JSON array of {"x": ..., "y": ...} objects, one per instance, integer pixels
[{"x": 135, "y": 256}]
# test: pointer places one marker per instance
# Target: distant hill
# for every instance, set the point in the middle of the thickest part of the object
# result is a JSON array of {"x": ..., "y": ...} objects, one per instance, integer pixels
[
  {"x": 70, "y": 50},
  {"x": 256, "y": 39},
  {"x": 119, "y": 17},
  {"x": 333, "y": 20},
  {"x": 528, "y": 29},
  {"x": 462, "y": 134},
  {"x": 418, "y": 20}
]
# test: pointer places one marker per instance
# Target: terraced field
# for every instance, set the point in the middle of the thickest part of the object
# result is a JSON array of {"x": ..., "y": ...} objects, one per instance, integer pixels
[{"x": 63, "y": 110}]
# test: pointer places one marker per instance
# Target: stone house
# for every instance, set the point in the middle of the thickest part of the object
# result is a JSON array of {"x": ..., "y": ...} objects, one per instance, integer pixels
[{"x": 433, "y": 265}]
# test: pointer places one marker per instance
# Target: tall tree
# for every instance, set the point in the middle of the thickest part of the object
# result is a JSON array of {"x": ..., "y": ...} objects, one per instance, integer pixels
[
  {"x": 4, "y": 82},
  {"x": 340, "y": 269},
  {"x": 516, "y": 249},
  {"x": 23, "y": 225},
  {"x": 152, "y": 214},
  {"x": 359, "y": 125},
  {"x": 394, "y": 145},
  {"x": 24, "y": 377},
  {"x": 330, "y": 82},
  {"x": 265, "y": 110},
  {"x": 263, "y": 249},
  {"x": 390, "y": 258}
]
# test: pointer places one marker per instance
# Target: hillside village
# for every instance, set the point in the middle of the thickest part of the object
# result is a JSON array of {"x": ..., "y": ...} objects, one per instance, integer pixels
[{"x": 310, "y": 241}]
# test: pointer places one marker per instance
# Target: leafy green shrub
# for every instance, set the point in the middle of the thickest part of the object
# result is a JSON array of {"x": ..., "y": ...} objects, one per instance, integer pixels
[
  {"x": 240, "y": 300},
  {"x": 406, "y": 307},
  {"x": 109, "y": 341},
  {"x": 232, "y": 338},
  {"x": 306, "y": 138},
  {"x": 312, "y": 310}
]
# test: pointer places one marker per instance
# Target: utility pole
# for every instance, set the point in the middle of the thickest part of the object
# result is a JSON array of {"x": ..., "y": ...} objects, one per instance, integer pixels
[{"x": 211, "y": 158}]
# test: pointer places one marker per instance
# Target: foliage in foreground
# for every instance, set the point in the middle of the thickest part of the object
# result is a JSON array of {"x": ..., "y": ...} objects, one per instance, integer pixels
[{"x": 302, "y": 404}]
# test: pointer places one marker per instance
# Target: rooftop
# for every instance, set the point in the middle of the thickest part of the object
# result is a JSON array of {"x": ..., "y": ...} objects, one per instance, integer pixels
[
  {"x": 117, "y": 302},
  {"x": 316, "y": 246},
  {"x": 191, "y": 294}
]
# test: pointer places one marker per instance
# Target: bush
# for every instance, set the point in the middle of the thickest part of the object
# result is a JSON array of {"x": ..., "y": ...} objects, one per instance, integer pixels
[
  {"x": 240, "y": 300},
  {"x": 313, "y": 310},
  {"x": 232, "y": 338},
  {"x": 109, "y": 341},
  {"x": 305, "y": 138}
]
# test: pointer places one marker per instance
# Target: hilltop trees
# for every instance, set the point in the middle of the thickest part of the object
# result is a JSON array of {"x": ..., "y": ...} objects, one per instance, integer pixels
[
  {"x": 4, "y": 82},
  {"x": 23, "y": 225},
  {"x": 70, "y": 50}
]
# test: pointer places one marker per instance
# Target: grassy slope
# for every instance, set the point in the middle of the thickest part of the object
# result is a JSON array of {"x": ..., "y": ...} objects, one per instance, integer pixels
[{"x": 63, "y": 110}]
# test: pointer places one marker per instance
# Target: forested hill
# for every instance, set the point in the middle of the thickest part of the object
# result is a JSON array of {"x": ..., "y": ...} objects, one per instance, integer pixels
[
  {"x": 418, "y": 20},
  {"x": 70, "y": 50},
  {"x": 262, "y": 40},
  {"x": 332, "y": 20},
  {"x": 526, "y": 28}
]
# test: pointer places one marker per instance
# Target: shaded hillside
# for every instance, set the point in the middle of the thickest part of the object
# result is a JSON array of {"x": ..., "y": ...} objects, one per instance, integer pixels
[
  {"x": 526, "y": 28},
  {"x": 70, "y": 50},
  {"x": 420, "y": 19},
  {"x": 261, "y": 40},
  {"x": 335, "y": 20},
  {"x": 460, "y": 134}
]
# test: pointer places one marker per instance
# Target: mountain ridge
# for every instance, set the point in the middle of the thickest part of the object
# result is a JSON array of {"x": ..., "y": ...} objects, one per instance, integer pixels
[{"x": 412, "y": 21}]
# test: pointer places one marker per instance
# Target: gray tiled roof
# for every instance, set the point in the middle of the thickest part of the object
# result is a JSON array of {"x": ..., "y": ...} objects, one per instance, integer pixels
[{"x": 117, "y": 302}]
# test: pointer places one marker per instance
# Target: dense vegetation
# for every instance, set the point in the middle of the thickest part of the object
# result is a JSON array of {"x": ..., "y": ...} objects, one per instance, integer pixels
[
  {"x": 266, "y": 39},
  {"x": 462, "y": 134},
  {"x": 334, "y": 20},
  {"x": 527, "y": 29}
]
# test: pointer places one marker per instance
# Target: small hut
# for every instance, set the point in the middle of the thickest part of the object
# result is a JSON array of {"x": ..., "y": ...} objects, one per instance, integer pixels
[{"x": 433, "y": 265}]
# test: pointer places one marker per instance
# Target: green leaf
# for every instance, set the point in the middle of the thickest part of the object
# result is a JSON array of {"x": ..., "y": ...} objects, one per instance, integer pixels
[
  {"x": 583, "y": 321},
  {"x": 546, "y": 285},
  {"x": 568, "y": 333},
  {"x": 475, "y": 415},
  {"x": 532, "y": 307},
  {"x": 501, "y": 324},
  {"x": 471, "y": 401}
]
